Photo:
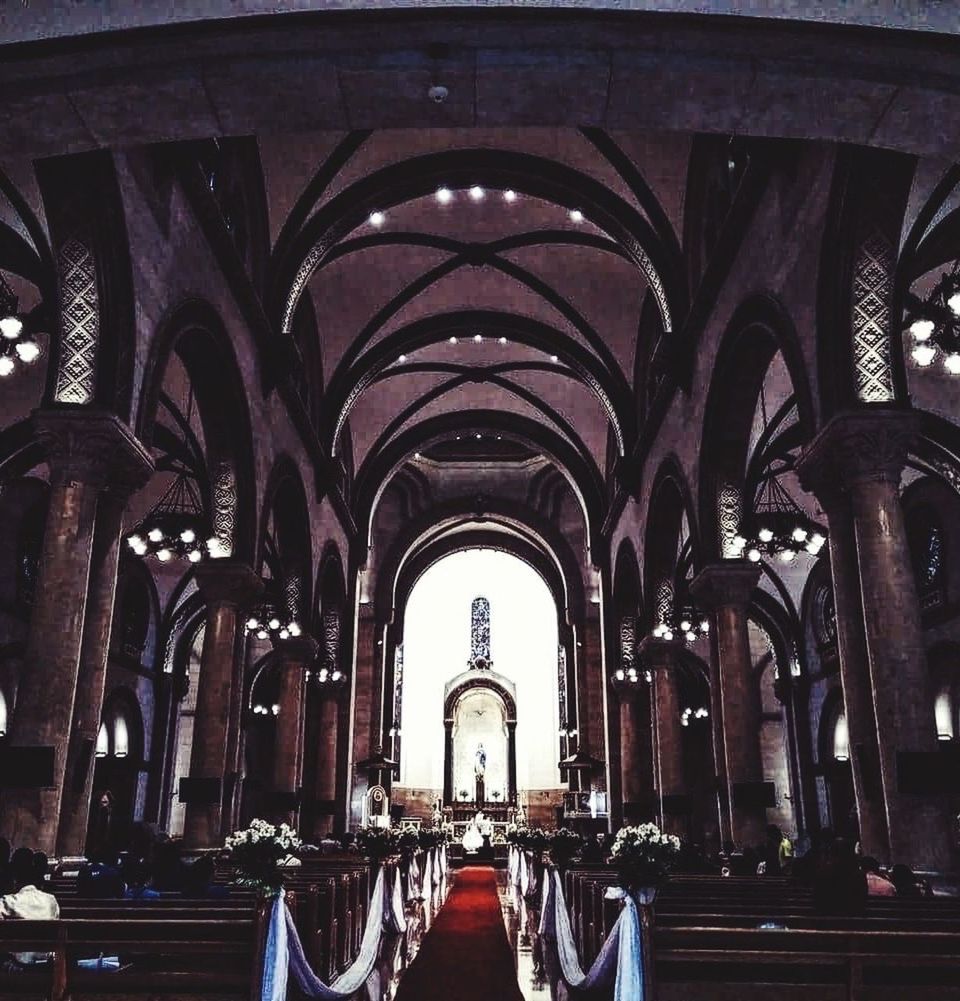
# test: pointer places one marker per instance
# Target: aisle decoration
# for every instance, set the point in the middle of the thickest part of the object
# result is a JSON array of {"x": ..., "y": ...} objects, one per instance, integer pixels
[
  {"x": 565, "y": 845},
  {"x": 379, "y": 844},
  {"x": 644, "y": 856},
  {"x": 284, "y": 951},
  {"x": 259, "y": 852}
]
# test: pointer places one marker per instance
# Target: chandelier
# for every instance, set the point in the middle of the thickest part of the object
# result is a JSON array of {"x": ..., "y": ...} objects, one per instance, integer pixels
[
  {"x": 934, "y": 322},
  {"x": 176, "y": 526},
  {"x": 265, "y": 621},
  {"x": 687, "y": 623},
  {"x": 16, "y": 344},
  {"x": 783, "y": 528}
]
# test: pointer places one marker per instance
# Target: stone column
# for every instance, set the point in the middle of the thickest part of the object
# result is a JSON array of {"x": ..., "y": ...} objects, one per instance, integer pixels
[
  {"x": 295, "y": 655},
  {"x": 85, "y": 449},
  {"x": 854, "y": 666},
  {"x": 226, "y": 586},
  {"x": 365, "y": 674},
  {"x": 636, "y": 751},
  {"x": 326, "y": 789},
  {"x": 726, "y": 589},
  {"x": 448, "y": 791},
  {"x": 95, "y": 650},
  {"x": 865, "y": 452},
  {"x": 511, "y": 761},
  {"x": 660, "y": 656}
]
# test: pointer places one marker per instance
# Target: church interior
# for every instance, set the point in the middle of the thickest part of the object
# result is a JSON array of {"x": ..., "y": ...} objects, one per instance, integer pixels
[{"x": 467, "y": 434}]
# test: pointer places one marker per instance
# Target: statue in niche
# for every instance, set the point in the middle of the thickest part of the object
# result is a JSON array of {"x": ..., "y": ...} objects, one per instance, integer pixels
[{"x": 479, "y": 771}]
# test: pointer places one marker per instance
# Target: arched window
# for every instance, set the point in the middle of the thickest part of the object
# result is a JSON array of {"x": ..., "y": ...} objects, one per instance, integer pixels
[
  {"x": 841, "y": 739},
  {"x": 3, "y": 715},
  {"x": 926, "y": 541},
  {"x": 121, "y": 737},
  {"x": 103, "y": 741}
]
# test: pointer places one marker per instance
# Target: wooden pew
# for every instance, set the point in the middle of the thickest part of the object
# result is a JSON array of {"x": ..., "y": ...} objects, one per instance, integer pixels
[{"x": 179, "y": 959}]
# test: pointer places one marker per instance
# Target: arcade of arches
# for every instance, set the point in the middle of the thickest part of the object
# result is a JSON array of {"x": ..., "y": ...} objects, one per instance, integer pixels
[{"x": 322, "y": 311}]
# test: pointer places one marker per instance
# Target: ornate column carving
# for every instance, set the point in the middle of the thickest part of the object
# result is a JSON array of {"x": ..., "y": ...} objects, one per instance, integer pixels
[
  {"x": 726, "y": 588},
  {"x": 87, "y": 451},
  {"x": 226, "y": 586},
  {"x": 660, "y": 656},
  {"x": 863, "y": 453},
  {"x": 295, "y": 657}
]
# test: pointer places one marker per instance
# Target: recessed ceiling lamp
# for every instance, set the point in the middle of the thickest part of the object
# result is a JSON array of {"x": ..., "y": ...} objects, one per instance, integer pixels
[
  {"x": 503, "y": 340},
  {"x": 444, "y": 196},
  {"x": 509, "y": 195},
  {"x": 477, "y": 338},
  {"x": 576, "y": 216},
  {"x": 478, "y": 436},
  {"x": 453, "y": 340},
  {"x": 377, "y": 219},
  {"x": 477, "y": 193}
]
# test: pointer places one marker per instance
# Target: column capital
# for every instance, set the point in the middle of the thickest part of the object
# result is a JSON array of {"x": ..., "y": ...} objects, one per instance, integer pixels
[
  {"x": 227, "y": 581},
  {"x": 94, "y": 447},
  {"x": 298, "y": 650},
  {"x": 731, "y": 582},
  {"x": 869, "y": 445},
  {"x": 658, "y": 653}
]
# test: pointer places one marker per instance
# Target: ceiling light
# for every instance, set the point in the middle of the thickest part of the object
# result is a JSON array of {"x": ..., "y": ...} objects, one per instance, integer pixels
[
  {"x": 923, "y": 354},
  {"x": 554, "y": 359},
  {"x": 478, "y": 436},
  {"x": 477, "y": 193},
  {"x": 444, "y": 196},
  {"x": 453, "y": 340},
  {"x": 509, "y": 195},
  {"x": 503, "y": 340},
  {"x": 402, "y": 358},
  {"x": 11, "y": 327},
  {"x": 7, "y": 365},
  {"x": 576, "y": 216},
  {"x": 922, "y": 329},
  {"x": 952, "y": 363},
  {"x": 477, "y": 339},
  {"x": 377, "y": 219},
  {"x": 417, "y": 455}
]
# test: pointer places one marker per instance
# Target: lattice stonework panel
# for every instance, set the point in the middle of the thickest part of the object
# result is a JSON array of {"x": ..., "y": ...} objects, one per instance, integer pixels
[
  {"x": 330, "y": 647},
  {"x": 628, "y": 642},
  {"x": 79, "y": 324},
  {"x": 397, "y": 684},
  {"x": 872, "y": 291},
  {"x": 562, "y": 685},
  {"x": 729, "y": 509},
  {"x": 224, "y": 508}
]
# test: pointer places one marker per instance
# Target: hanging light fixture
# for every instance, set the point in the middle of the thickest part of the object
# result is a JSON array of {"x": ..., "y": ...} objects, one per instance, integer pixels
[
  {"x": 782, "y": 528},
  {"x": 683, "y": 621},
  {"x": 175, "y": 527},
  {"x": 16, "y": 343},
  {"x": 267, "y": 621},
  {"x": 934, "y": 322}
]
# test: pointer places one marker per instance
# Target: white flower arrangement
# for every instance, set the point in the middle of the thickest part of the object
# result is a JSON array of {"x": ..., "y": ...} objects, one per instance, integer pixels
[
  {"x": 259, "y": 851},
  {"x": 644, "y": 854}
]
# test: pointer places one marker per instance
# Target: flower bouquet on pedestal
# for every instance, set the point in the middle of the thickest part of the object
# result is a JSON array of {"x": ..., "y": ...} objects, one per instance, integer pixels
[
  {"x": 432, "y": 837},
  {"x": 644, "y": 856},
  {"x": 259, "y": 851},
  {"x": 409, "y": 841},
  {"x": 564, "y": 845},
  {"x": 515, "y": 835},
  {"x": 379, "y": 844}
]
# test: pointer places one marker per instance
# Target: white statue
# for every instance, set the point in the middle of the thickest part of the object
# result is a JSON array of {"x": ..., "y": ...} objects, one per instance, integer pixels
[{"x": 480, "y": 762}]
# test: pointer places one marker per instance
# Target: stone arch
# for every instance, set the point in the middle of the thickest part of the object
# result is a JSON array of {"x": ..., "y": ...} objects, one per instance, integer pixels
[
  {"x": 194, "y": 331},
  {"x": 93, "y": 356},
  {"x": 285, "y": 500},
  {"x": 758, "y": 330}
]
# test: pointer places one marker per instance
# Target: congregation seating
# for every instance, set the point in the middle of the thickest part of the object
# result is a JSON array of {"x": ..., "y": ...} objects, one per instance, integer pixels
[
  {"x": 721, "y": 938},
  {"x": 182, "y": 948}
]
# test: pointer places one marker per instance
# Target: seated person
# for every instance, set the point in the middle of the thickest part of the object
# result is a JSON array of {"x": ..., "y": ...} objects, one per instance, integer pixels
[
  {"x": 906, "y": 884},
  {"x": 168, "y": 868},
  {"x": 840, "y": 885},
  {"x": 101, "y": 879},
  {"x": 198, "y": 880},
  {"x": 28, "y": 902}
]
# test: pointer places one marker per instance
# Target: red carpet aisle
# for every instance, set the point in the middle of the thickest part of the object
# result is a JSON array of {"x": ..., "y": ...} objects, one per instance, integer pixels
[{"x": 465, "y": 955}]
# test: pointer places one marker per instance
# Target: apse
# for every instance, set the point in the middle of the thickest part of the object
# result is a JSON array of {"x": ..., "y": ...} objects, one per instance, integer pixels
[{"x": 523, "y": 650}]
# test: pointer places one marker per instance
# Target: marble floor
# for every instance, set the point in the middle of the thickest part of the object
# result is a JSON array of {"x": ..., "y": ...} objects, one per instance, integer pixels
[{"x": 521, "y": 923}]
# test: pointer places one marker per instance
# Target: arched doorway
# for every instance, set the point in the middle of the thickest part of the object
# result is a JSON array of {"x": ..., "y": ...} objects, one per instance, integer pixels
[{"x": 467, "y": 682}]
